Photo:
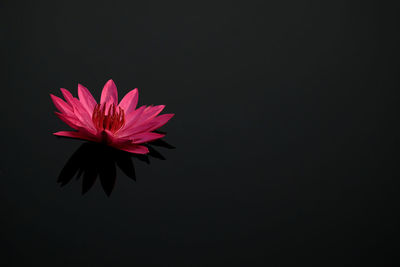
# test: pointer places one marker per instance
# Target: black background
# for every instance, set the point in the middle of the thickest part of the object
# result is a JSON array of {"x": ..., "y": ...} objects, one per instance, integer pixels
[{"x": 285, "y": 128}]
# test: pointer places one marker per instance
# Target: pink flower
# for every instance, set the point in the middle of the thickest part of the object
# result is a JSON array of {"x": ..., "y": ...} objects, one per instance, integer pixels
[{"x": 118, "y": 125}]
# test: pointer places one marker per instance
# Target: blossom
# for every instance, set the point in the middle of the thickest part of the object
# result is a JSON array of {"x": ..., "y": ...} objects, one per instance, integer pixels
[{"x": 119, "y": 125}]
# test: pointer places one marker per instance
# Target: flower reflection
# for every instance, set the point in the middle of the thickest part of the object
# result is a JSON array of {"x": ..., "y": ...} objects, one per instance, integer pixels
[{"x": 93, "y": 160}]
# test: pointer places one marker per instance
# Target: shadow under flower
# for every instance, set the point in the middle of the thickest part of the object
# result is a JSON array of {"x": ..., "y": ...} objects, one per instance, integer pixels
[{"x": 93, "y": 160}]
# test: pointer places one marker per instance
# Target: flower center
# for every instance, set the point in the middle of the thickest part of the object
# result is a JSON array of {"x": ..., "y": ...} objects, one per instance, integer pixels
[{"x": 113, "y": 120}]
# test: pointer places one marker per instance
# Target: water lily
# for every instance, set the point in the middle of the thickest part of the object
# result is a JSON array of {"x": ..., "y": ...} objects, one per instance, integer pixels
[{"x": 120, "y": 125}]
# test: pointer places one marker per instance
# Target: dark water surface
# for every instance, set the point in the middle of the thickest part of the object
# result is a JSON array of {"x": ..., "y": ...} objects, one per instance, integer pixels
[{"x": 285, "y": 131}]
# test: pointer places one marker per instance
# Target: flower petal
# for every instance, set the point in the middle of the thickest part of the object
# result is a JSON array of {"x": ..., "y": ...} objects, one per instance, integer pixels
[
  {"x": 146, "y": 137},
  {"x": 150, "y": 113},
  {"x": 131, "y": 122},
  {"x": 134, "y": 116},
  {"x": 67, "y": 95},
  {"x": 71, "y": 121},
  {"x": 86, "y": 98},
  {"x": 77, "y": 135},
  {"x": 161, "y": 121},
  {"x": 129, "y": 102},
  {"x": 61, "y": 105},
  {"x": 137, "y": 149},
  {"x": 150, "y": 126},
  {"x": 109, "y": 94},
  {"x": 83, "y": 115}
]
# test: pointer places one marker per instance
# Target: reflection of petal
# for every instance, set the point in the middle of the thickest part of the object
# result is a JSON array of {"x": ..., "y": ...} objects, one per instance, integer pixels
[
  {"x": 154, "y": 153},
  {"x": 162, "y": 143},
  {"x": 71, "y": 167},
  {"x": 92, "y": 160},
  {"x": 107, "y": 175},
  {"x": 89, "y": 177},
  {"x": 126, "y": 165}
]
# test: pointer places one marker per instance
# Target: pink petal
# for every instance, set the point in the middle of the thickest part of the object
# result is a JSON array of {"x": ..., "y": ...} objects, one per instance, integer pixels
[
  {"x": 72, "y": 122},
  {"x": 137, "y": 149},
  {"x": 67, "y": 95},
  {"x": 150, "y": 113},
  {"x": 109, "y": 138},
  {"x": 61, "y": 105},
  {"x": 78, "y": 135},
  {"x": 161, "y": 121},
  {"x": 151, "y": 125},
  {"x": 109, "y": 94},
  {"x": 134, "y": 116},
  {"x": 146, "y": 137},
  {"x": 131, "y": 123},
  {"x": 86, "y": 98},
  {"x": 83, "y": 115},
  {"x": 129, "y": 102}
]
